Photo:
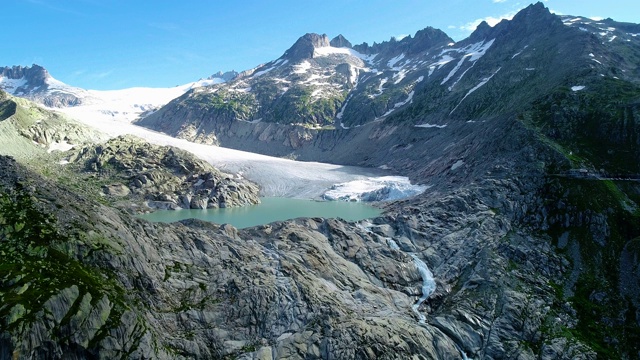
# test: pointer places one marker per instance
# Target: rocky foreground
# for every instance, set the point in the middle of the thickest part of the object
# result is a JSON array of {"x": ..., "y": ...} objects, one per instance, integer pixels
[{"x": 86, "y": 280}]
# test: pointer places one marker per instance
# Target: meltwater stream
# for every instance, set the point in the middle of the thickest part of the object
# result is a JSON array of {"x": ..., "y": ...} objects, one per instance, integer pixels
[
  {"x": 428, "y": 287},
  {"x": 428, "y": 282}
]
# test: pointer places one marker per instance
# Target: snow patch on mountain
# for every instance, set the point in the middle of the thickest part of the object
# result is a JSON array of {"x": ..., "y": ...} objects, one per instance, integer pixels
[
  {"x": 302, "y": 68},
  {"x": 453, "y": 71},
  {"x": 444, "y": 59},
  {"x": 427, "y": 125},
  {"x": 60, "y": 146},
  {"x": 392, "y": 63},
  {"x": 520, "y": 52},
  {"x": 11, "y": 85},
  {"x": 380, "y": 89},
  {"x": 400, "y": 104},
  {"x": 262, "y": 72},
  {"x": 399, "y": 76},
  {"x": 482, "y": 82},
  {"x": 330, "y": 50},
  {"x": 341, "y": 113},
  {"x": 473, "y": 52},
  {"x": 577, "y": 88}
]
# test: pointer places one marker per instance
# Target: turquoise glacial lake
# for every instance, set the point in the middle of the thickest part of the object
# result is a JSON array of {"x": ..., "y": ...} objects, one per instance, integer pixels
[{"x": 270, "y": 210}]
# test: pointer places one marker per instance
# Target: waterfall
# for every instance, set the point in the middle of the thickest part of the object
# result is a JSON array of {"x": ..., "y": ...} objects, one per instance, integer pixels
[
  {"x": 428, "y": 282},
  {"x": 428, "y": 285}
]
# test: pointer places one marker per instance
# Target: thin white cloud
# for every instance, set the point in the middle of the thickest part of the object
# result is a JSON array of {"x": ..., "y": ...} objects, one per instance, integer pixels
[
  {"x": 491, "y": 20},
  {"x": 54, "y": 6},
  {"x": 103, "y": 74},
  {"x": 400, "y": 37},
  {"x": 166, "y": 26},
  {"x": 499, "y": 1},
  {"x": 92, "y": 75}
]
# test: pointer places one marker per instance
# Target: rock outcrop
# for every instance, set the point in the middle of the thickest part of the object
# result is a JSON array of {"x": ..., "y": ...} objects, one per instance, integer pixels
[
  {"x": 162, "y": 177},
  {"x": 303, "y": 48},
  {"x": 340, "y": 41}
]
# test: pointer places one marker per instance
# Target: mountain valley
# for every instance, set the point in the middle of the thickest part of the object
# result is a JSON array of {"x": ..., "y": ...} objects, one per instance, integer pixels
[{"x": 518, "y": 236}]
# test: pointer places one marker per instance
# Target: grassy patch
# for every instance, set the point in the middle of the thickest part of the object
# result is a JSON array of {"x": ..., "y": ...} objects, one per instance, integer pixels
[{"x": 34, "y": 267}]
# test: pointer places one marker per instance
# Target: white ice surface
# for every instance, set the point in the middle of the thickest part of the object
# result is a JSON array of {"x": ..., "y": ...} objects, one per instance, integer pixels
[
  {"x": 126, "y": 104},
  {"x": 276, "y": 176},
  {"x": 387, "y": 187},
  {"x": 577, "y": 88}
]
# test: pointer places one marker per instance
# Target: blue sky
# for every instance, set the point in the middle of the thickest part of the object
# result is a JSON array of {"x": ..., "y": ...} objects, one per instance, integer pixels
[{"x": 114, "y": 44}]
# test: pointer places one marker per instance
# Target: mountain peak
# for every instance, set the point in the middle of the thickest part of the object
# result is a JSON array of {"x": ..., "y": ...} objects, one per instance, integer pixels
[
  {"x": 535, "y": 14},
  {"x": 534, "y": 18},
  {"x": 34, "y": 83},
  {"x": 34, "y": 74},
  {"x": 303, "y": 48},
  {"x": 427, "y": 38},
  {"x": 226, "y": 76},
  {"x": 340, "y": 41}
]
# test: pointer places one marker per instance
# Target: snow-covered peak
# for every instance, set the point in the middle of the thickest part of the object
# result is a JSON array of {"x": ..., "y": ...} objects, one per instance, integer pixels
[
  {"x": 36, "y": 84},
  {"x": 127, "y": 105},
  {"x": 12, "y": 86}
]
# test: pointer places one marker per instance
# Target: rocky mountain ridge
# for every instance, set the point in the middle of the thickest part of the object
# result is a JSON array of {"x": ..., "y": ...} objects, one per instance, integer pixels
[
  {"x": 35, "y": 83},
  {"x": 424, "y": 83}
]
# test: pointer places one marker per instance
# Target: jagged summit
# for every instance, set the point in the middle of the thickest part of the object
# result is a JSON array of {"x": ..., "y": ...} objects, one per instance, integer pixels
[
  {"x": 226, "y": 76},
  {"x": 303, "y": 48},
  {"x": 425, "y": 39},
  {"x": 34, "y": 82},
  {"x": 534, "y": 18},
  {"x": 25, "y": 78},
  {"x": 340, "y": 41}
]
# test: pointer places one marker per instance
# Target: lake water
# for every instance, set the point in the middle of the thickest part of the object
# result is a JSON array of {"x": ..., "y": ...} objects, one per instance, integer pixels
[{"x": 270, "y": 210}]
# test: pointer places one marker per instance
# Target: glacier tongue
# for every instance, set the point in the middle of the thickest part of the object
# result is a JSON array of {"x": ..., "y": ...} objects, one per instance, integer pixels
[{"x": 382, "y": 188}]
